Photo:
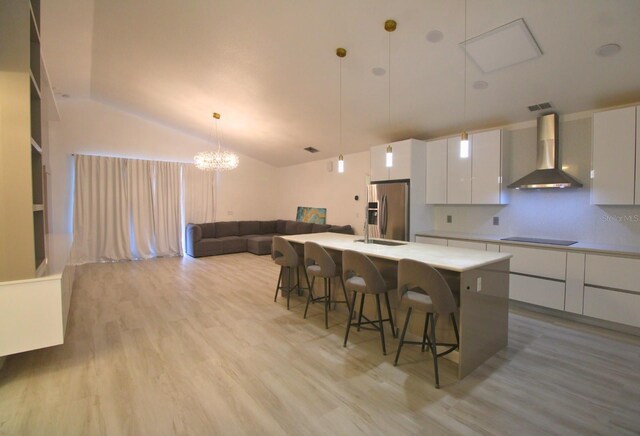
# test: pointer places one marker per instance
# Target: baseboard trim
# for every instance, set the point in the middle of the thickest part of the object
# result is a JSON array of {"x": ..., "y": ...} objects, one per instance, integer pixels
[{"x": 622, "y": 328}]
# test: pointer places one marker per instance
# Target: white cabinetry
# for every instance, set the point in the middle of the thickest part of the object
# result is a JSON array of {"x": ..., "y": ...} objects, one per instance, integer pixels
[
  {"x": 537, "y": 276},
  {"x": 436, "y": 172},
  {"x": 467, "y": 244},
  {"x": 612, "y": 289},
  {"x": 614, "y": 157},
  {"x": 402, "y": 156},
  {"x": 432, "y": 241},
  {"x": 458, "y": 172},
  {"x": 476, "y": 179},
  {"x": 486, "y": 181}
]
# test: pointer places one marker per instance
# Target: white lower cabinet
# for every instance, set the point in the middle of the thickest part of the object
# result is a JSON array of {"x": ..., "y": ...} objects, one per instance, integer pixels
[
  {"x": 575, "y": 283},
  {"x": 432, "y": 241},
  {"x": 614, "y": 306},
  {"x": 468, "y": 244},
  {"x": 535, "y": 290}
]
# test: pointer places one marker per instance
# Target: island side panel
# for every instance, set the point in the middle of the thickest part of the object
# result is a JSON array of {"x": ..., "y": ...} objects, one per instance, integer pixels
[{"x": 484, "y": 315}]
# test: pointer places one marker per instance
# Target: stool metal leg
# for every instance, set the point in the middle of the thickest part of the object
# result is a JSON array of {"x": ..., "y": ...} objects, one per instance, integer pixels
[
  {"x": 425, "y": 332},
  {"x": 344, "y": 291},
  {"x": 278, "y": 285},
  {"x": 309, "y": 298},
  {"x": 327, "y": 297},
  {"x": 290, "y": 287},
  {"x": 360, "y": 312},
  {"x": 393, "y": 327},
  {"x": 404, "y": 330},
  {"x": 353, "y": 305},
  {"x": 434, "y": 350},
  {"x": 384, "y": 348}
]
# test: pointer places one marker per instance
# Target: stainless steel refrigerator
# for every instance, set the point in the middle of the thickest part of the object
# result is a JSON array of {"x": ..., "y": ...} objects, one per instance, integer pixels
[{"x": 388, "y": 210}]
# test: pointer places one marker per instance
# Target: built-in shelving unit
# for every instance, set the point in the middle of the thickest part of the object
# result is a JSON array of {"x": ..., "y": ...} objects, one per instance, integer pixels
[
  {"x": 35, "y": 282},
  {"x": 37, "y": 174}
]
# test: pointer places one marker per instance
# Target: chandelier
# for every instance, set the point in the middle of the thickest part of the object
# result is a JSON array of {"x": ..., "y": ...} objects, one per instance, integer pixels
[{"x": 219, "y": 160}]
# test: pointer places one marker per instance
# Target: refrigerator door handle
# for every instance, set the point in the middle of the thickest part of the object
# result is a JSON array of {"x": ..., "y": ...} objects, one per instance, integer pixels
[{"x": 383, "y": 217}]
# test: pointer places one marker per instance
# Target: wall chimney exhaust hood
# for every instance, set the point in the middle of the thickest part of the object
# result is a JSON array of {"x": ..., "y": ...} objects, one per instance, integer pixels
[{"x": 548, "y": 173}]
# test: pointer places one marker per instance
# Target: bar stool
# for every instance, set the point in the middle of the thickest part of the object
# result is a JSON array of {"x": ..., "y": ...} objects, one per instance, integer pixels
[
  {"x": 320, "y": 264},
  {"x": 362, "y": 276},
  {"x": 423, "y": 288},
  {"x": 283, "y": 254}
]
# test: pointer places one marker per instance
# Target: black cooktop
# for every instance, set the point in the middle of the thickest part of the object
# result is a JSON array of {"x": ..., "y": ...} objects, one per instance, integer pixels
[{"x": 540, "y": 241}]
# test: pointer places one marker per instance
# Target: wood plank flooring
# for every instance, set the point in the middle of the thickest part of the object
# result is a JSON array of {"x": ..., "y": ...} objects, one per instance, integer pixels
[{"x": 197, "y": 346}]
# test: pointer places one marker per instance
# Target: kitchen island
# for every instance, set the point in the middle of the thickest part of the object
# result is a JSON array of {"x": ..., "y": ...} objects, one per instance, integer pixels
[{"x": 483, "y": 293}]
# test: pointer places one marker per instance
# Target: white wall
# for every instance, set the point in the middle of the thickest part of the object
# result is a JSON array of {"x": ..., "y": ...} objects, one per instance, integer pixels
[
  {"x": 312, "y": 184},
  {"x": 555, "y": 213},
  {"x": 90, "y": 127}
]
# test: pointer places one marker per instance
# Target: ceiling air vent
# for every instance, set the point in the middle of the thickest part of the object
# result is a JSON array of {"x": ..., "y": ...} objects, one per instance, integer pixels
[
  {"x": 312, "y": 150},
  {"x": 540, "y": 106}
]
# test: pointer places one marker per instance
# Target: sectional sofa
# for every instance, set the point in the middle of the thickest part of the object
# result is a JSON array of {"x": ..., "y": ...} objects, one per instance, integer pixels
[{"x": 224, "y": 237}]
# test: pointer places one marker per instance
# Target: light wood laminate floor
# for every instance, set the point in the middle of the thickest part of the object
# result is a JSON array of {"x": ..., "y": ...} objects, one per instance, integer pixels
[{"x": 197, "y": 346}]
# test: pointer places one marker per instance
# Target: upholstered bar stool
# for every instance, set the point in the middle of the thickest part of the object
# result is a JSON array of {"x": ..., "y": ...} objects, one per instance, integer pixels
[
  {"x": 421, "y": 287},
  {"x": 320, "y": 264},
  {"x": 283, "y": 254},
  {"x": 362, "y": 277}
]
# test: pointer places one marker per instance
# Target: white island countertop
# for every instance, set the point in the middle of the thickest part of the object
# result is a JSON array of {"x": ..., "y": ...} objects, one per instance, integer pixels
[{"x": 449, "y": 258}]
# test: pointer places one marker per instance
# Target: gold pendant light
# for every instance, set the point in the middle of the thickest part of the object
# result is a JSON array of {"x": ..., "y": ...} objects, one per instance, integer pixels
[
  {"x": 389, "y": 26},
  {"x": 464, "y": 137},
  {"x": 341, "y": 53}
]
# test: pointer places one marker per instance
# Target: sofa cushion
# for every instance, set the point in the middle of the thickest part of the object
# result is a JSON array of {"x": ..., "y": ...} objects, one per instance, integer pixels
[
  {"x": 249, "y": 227},
  {"x": 341, "y": 229},
  {"x": 233, "y": 244},
  {"x": 267, "y": 227},
  {"x": 319, "y": 228},
  {"x": 208, "y": 230},
  {"x": 281, "y": 227},
  {"x": 304, "y": 227},
  {"x": 207, "y": 247},
  {"x": 291, "y": 228},
  {"x": 259, "y": 244},
  {"x": 227, "y": 228}
]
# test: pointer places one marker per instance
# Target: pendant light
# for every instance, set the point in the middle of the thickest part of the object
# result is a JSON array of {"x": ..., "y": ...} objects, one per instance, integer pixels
[
  {"x": 341, "y": 53},
  {"x": 219, "y": 160},
  {"x": 389, "y": 26},
  {"x": 464, "y": 137}
]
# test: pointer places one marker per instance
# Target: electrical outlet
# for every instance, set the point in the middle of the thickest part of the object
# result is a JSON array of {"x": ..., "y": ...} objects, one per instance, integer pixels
[
  {"x": 449, "y": 219},
  {"x": 229, "y": 212},
  {"x": 479, "y": 284},
  {"x": 496, "y": 221}
]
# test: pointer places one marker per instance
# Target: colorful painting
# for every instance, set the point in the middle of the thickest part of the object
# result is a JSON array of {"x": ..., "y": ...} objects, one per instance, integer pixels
[{"x": 316, "y": 215}]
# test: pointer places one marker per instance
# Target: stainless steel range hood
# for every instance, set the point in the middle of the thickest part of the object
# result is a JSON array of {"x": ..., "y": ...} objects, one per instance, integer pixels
[{"x": 548, "y": 174}]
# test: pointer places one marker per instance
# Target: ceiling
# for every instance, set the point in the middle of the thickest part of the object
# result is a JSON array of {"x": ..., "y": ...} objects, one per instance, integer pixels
[{"x": 270, "y": 68}]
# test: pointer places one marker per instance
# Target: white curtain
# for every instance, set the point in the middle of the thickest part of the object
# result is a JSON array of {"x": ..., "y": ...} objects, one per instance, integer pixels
[
  {"x": 167, "y": 209},
  {"x": 199, "y": 194},
  {"x": 126, "y": 209},
  {"x": 101, "y": 210},
  {"x": 140, "y": 178}
]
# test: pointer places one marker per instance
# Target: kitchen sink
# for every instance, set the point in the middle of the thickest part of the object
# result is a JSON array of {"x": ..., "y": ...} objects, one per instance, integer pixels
[{"x": 382, "y": 242}]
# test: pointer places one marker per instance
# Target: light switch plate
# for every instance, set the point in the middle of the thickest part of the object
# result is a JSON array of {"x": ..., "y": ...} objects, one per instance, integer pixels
[
  {"x": 449, "y": 219},
  {"x": 496, "y": 221}
]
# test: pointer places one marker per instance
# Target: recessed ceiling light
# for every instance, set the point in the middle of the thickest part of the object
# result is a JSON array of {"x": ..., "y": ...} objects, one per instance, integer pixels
[
  {"x": 378, "y": 71},
  {"x": 480, "y": 84},
  {"x": 608, "y": 50},
  {"x": 435, "y": 36}
]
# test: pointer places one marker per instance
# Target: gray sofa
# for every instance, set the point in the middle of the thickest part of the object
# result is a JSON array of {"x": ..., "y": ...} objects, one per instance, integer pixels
[{"x": 224, "y": 237}]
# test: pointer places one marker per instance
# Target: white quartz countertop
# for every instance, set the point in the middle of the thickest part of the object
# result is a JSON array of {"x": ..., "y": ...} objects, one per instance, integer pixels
[
  {"x": 449, "y": 258},
  {"x": 624, "y": 250}
]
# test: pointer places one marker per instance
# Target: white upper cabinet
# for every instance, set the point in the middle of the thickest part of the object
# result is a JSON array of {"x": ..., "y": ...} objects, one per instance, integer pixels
[
  {"x": 486, "y": 180},
  {"x": 436, "y": 177},
  {"x": 476, "y": 179},
  {"x": 379, "y": 171},
  {"x": 458, "y": 172},
  {"x": 401, "y": 168},
  {"x": 614, "y": 157}
]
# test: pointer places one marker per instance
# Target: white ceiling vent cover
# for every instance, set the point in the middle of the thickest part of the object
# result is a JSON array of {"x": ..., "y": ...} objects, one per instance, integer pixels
[{"x": 503, "y": 46}]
